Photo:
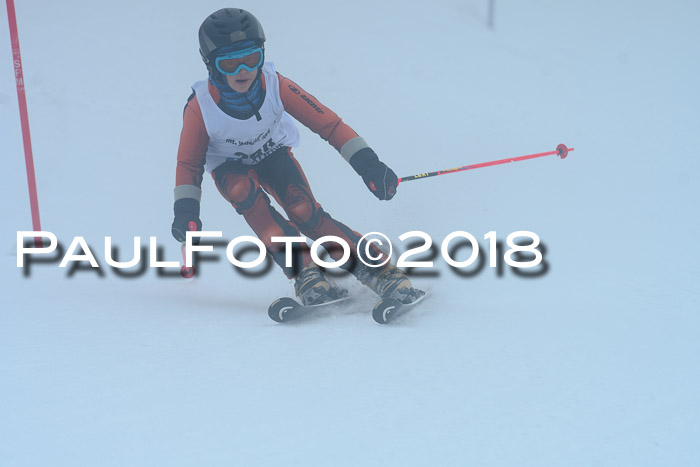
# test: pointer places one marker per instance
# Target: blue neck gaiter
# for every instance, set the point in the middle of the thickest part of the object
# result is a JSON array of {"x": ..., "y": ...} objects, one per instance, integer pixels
[{"x": 241, "y": 105}]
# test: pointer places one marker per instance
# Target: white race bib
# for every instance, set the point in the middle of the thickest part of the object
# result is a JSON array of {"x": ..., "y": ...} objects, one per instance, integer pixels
[{"x": 251, "y": 140}]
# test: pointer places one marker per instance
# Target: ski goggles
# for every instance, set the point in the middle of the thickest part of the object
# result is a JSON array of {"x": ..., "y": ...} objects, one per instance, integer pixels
[{"x": 232, "y": 63}]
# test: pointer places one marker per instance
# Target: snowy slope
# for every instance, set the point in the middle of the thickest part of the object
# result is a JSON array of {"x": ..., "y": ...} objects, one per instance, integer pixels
[{"x": 594, "y": 363}]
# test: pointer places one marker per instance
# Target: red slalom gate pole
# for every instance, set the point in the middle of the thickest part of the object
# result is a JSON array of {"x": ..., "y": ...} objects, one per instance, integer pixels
[
  {"x": 24, "y": 118},
  {"x": 562, "y": 151}
]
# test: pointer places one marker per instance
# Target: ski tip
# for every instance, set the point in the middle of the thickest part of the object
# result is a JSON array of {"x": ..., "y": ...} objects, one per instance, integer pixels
[
  {"x": 390, "y": 308},
  {"x": 281, "y": 309},
  {"x": 386, "y": 310}
]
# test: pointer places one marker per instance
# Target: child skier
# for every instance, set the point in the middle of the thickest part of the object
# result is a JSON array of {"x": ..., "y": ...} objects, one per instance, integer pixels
[{"x": 237, "y": 126}]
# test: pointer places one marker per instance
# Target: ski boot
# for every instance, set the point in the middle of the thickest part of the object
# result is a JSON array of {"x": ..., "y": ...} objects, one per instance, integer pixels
[
  {"x": 313, "y": 288},
  {"x": 391, "y": 282}
]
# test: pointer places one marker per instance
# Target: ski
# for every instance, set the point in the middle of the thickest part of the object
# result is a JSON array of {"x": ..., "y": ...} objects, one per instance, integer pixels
[
  {"x": 287, "y": 309},
  {"x": 389, "y": 309}
]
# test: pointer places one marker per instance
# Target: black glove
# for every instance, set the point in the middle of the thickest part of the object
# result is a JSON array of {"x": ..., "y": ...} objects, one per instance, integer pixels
[
  {"x": 186, "y": 211},
  {"x": 379, "y": 178}
]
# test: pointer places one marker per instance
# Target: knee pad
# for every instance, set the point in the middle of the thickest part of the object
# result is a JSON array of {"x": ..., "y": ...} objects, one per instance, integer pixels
[
  {"x": 302, "y": 209},
  {"x": 242, "y": 192}
]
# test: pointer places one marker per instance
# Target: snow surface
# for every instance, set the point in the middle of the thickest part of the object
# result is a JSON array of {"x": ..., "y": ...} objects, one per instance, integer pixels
[{"x": 594, "y": 363}]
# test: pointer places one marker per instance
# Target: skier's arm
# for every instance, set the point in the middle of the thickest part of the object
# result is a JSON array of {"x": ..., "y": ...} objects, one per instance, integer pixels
[
  {"x": 191, "y": 155},
  {"x": 193, "y": 146},
  {"x": 309, "y": 111}
]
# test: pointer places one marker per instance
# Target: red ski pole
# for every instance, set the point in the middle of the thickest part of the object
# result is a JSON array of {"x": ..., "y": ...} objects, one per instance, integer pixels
[
  {"x": 562, "y": 151},
  {"x": 187, "y": 273}
]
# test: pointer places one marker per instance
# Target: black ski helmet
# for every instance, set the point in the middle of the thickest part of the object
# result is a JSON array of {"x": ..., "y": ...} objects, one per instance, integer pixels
[{"x": 226, "y": 26}]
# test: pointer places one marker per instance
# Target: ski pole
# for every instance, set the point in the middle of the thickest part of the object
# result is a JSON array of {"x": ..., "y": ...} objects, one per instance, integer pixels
[
  {"x": 187, "y": 273},
  {"x": 562, "y": 151}
]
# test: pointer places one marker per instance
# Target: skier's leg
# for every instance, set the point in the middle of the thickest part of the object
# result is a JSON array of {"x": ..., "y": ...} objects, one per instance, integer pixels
[
  {"x": 286, "y": 181},
  {"x": 282, "y": 177},
  {"x": 239, "y": 184}
]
